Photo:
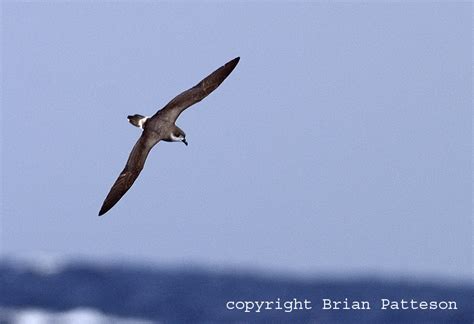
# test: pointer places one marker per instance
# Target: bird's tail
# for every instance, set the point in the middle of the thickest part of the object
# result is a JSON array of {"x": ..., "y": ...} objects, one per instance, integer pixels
[{"x": 137, "y": 120}]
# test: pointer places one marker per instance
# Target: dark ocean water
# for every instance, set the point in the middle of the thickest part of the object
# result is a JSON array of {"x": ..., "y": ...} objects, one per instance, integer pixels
[{"x": 199, "y": 296}]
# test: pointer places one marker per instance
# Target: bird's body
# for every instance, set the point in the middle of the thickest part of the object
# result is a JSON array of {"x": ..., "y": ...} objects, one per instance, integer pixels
[{"x": 161, "y": 127}]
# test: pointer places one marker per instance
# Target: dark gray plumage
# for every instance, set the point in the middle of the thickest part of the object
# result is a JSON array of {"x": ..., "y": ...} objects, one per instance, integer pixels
[{"x": 161, "y": 126}]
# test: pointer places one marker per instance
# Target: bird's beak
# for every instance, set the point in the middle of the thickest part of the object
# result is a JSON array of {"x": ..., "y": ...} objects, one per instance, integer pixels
[{"x": 184, "y": 141}]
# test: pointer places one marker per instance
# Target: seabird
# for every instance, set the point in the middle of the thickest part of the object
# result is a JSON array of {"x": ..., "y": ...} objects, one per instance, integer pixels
[{"x": 161, "y": 127}]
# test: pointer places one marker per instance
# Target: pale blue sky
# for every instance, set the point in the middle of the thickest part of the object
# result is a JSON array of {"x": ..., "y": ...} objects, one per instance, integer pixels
[{"x": 340, "y": 144}]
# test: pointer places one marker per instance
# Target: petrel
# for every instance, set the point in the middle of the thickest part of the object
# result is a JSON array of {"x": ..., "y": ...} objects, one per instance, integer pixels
[{"x": 161, "y": 127}]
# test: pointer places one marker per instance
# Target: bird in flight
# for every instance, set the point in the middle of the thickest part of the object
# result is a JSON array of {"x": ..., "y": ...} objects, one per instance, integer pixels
[{"x": 161, "y": 127}]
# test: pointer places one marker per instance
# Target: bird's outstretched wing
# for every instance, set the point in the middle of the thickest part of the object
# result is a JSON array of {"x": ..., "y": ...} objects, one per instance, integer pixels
[
  {"x": 200, "y": 91},
  {"x": 130, "y": 173}
]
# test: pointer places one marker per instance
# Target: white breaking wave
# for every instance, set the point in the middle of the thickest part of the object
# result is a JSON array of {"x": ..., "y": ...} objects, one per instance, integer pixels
[{"x": 75, "y": 316}]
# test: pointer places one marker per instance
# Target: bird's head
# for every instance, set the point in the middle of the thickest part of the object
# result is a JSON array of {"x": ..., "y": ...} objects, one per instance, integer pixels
[{"x": 177, "y": 135}]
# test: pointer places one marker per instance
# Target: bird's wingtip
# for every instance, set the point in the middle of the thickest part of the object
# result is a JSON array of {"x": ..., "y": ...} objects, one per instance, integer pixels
[{"x": 232, "y": 63}]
